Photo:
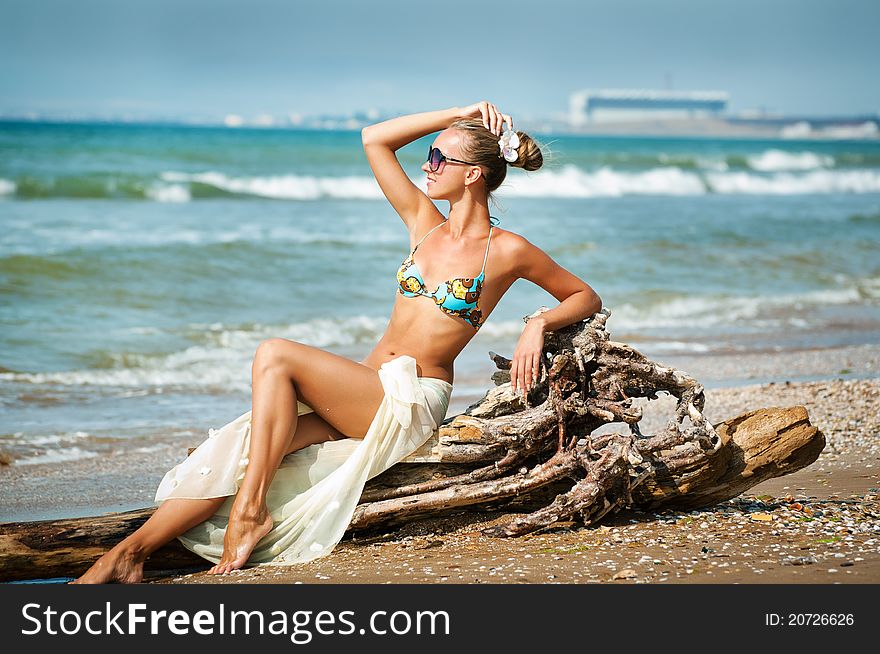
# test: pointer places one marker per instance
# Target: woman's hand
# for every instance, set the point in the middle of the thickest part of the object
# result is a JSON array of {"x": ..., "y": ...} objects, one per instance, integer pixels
[
  {"x": 525, "y": 369},
  {"x": 492, "y": 118}
]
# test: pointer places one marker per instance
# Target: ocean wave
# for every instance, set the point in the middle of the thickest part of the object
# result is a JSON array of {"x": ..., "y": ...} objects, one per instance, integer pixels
[
  {"x": 573, "y": 182},
  {"x": 285, "y": 187},
  {"x": 220, "y": 359},
  {"x": 813, "y": 182},
  {"x": 765, "y": 312},
  {"x": 20, "y": 242},
  {"x": 771, "y": 172},
  {"x": 171, "y": 193},
  {"x": 772, "y": 176},
  {"x": 30, "y": 449},
  {"x": 220, "y": 356},
  {"x": 83, "y": 186},
  {"x": 51, "y": 440},
  {"x": 55, "y": 456},
  {"x": 869, "y": 287},
  {"x": 773, "y": 160},
  {"x": 673, "y": 347},
  {"x": 205, "y": 368}
]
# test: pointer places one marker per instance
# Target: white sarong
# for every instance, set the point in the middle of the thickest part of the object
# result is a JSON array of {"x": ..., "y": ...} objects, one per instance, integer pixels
[{"x": 314, "y": 493}]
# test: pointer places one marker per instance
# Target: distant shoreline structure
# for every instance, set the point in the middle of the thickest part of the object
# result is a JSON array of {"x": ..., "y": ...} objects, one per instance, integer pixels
[{"x": 664, "y": 112}]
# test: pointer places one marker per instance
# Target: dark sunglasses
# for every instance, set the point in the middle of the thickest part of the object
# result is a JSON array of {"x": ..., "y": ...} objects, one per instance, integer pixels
[{"x": 435, "y": 158}]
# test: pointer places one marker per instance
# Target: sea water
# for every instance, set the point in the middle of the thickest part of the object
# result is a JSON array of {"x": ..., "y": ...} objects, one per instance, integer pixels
[{"x": 141, "y": 265}]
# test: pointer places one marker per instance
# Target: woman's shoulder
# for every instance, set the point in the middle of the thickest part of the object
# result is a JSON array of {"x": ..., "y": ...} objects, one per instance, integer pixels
[
  {"x": 511, "y": 241},
  {"x": 519, "y": 254},
  {"x": 510, "y": 247}
]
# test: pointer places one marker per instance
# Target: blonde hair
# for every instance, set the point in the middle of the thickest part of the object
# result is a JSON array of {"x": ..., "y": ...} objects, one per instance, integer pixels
[{"x": 480, "y": 146}]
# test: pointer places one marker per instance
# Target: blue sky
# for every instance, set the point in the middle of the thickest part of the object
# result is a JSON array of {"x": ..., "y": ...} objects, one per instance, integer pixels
[{"x": 191, "y": 58}]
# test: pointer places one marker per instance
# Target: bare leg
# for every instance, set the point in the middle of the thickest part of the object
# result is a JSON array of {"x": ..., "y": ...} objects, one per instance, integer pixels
[
  {"x": 273, "y": 423},
  {"x": 125, "y": 562},
  {"x": 350, "y": 402},
  {"x": 348, "y": 394}
]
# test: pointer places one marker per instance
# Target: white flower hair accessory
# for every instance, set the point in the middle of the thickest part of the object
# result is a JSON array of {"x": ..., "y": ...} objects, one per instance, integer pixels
[{"x": 508, "y": 143}]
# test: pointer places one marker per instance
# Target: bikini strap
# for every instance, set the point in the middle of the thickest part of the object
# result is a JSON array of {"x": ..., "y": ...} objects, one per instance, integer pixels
[
  {"x": 486, "y": 256},
  {"x": 426, "y": 235}
]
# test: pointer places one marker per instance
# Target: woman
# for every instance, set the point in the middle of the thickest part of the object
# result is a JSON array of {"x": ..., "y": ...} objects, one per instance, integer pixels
[{"x": 280, "y": 483}]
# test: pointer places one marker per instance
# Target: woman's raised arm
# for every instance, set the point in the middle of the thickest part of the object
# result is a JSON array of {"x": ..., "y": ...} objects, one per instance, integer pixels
[{"x": 382, "y": 140}]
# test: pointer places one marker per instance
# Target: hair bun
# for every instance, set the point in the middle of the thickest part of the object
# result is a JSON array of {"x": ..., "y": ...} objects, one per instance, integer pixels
[
  {"x": 484, "y": 147},
  {"x": 530, "y": 156}
]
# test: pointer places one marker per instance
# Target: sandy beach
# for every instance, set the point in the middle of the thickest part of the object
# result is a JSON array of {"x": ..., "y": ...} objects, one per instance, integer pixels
[{"x": 818, "y": 525}]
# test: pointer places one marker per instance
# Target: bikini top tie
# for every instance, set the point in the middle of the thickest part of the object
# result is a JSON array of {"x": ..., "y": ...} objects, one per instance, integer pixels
[{"x": 456, "y": 297}]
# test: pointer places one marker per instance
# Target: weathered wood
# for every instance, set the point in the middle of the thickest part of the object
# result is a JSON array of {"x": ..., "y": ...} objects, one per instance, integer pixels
[
  {"x": 755, "y": 446},
  {"x": 506, "y": 450},
  {"x": 65, "y": 548}
]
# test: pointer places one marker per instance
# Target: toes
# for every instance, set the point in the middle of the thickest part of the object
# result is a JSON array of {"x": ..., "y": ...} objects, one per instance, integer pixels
[{"x": 225, "y": 567}]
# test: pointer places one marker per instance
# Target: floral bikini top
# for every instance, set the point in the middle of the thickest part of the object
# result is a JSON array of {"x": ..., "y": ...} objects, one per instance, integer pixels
[{"x": 456, "y": 297}]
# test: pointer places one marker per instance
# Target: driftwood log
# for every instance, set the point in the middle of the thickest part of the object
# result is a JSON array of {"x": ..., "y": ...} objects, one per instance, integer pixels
[{"x": 505, "y": 450}]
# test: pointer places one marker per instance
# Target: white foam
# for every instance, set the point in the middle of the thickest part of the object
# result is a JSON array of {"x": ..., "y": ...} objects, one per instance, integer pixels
[
  {"x": 869, "y": 287},
  {"x": 146, "y": 449},
  {"x": 816, "y": 181},
  {"x": 50, "y": 439},
  {"x": 667, "y": 347},
  {"x": 196, "y": 366},
  {"x": 56, "y": 456},
  {"x": 572, "y": 182},
  {"x": 7, "y": 187},
  {"x": 708, "y": 311},
  {"x": 286, "y": 187},
  {"x": 223, "y": 362},
  {"x": 772, "y": 160},
  {"x": 30, "y": 449},
  {"x": 170, "y": 193},
  {"x": 776, "y": 172}
]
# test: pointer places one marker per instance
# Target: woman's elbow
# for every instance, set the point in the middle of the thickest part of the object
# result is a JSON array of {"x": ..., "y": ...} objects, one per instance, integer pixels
[{"x": 595, "y": 305}]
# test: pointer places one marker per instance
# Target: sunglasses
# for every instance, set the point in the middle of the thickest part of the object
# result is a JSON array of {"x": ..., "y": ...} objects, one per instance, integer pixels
[{"x": 437, "y": 158}]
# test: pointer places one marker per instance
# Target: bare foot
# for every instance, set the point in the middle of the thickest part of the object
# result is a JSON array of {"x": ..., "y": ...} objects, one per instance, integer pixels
[
  {"x": 243, "y": 533},
  {"x": 119, "y": 564}
]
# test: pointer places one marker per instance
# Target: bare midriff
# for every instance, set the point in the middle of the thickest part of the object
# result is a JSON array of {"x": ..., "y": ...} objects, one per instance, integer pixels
[{"x": 421, "y": 330}]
